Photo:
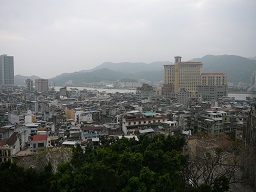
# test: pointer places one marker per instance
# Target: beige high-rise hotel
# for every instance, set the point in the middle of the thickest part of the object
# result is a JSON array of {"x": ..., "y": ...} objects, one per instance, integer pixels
[
  {"x": 183, "y": 75},
  {"x": 188, "y": 76}
]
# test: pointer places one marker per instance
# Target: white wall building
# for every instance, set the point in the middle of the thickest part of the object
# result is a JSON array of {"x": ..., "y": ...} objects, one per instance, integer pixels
[{"x": 83, "y": 116}]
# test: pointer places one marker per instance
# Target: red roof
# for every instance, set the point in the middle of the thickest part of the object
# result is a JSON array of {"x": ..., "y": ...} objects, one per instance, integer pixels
[
  {"x": 12, "y": 140},
  {"x": 3, "y": 130},
  {"x": 40, "y": 137},
  {"x": 2, "y": 142}
]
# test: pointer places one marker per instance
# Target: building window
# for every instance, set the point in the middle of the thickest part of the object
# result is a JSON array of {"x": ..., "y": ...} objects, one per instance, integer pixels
[{"x": 40, "y": 145}]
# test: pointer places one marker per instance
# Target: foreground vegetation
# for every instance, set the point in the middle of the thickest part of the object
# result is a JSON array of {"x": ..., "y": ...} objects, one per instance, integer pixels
[{"x": 151, "y": 164}]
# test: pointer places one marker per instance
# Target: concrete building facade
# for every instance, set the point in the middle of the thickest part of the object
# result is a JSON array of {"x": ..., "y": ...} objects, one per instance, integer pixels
[
  {"x": 187, "y": 76},
  {"x": 29, "y": 84},
  {"x": 41, "y": 85},
  {"x": 145, "y": 92},
  {"x": 6, "y": 70},
  {"x": 214, "y": 86}
]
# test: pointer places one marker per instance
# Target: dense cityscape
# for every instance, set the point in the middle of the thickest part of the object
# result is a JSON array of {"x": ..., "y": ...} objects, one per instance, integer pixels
[{"x": 186, "y": 128}]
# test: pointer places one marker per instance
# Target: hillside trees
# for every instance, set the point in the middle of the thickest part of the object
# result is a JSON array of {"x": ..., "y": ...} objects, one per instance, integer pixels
[
  {"x": 151, "y": 164},
  {"x": 15, "y": 178},
  {"x": 217, "y": 167}
]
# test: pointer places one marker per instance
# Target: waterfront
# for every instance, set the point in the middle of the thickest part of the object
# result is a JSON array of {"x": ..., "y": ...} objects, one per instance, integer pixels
[
  {"x": 57, "y": 88},
  {"x": 241, "y": 96},
  {"x": 238, "y": 96}
]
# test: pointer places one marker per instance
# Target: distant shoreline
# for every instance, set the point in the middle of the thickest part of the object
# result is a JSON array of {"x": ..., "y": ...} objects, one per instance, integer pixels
[{"x": 242, "y": 93}]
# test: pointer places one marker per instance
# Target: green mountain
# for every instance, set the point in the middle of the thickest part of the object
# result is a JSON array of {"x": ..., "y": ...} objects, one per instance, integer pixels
[
  {"x": 93, "y": 76},
  {"x": 237, "y": 69},
  {"x": 104, "y": 74},
  {"x": 114, "y": 71}
]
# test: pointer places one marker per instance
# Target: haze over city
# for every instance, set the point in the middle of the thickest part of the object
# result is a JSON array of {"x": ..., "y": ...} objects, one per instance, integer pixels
[{"x": 48, "y": 38}]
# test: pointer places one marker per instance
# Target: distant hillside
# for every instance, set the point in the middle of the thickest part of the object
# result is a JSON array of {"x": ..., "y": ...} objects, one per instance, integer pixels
[
  {"x": 127, "y": 67},
  {"x": 20, "y": 80},
  {"x": 153, "y": 76},
  {"x": 105, "y": 75},
  {"x": 237, "y": 69},
  {"x": 252, "y": 58},
  {"x": 94, "y": 76},
  {"x": 128, "y": 80}
]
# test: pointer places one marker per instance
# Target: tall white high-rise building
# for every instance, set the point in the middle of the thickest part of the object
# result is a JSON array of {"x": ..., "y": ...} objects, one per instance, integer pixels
[{"x": 6, "y": 70}]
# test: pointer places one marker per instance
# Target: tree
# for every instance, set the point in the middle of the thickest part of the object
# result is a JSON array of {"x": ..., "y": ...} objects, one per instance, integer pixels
[
  {"x": 12, "y": 177},
  {"x": 216, "y": 167},
  {"x": 100, "y": 177},
  {"x": 78, "y": 156},
  {"x": 134, "y": 184},
  {"x": 63, "y": 179}
]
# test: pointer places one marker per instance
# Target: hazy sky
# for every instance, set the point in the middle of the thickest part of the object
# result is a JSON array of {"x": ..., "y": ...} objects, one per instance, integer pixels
[{"x": 50, "y": 37}]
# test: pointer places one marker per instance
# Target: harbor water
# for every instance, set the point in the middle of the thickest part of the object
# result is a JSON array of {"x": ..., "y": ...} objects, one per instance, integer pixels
[{"x": 237, "y": 96}]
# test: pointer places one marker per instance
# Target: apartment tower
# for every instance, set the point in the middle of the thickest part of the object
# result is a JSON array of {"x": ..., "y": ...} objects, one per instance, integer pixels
[
  {"x": 6, "y": 70},
  {"x": 41, "y": 85},
  {"x": 213, "y": 86},
  {"x": 29, "y": 84}
]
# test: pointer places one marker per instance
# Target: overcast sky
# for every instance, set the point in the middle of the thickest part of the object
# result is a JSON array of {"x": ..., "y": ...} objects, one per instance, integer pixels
[{"x": 50, "y": 37}]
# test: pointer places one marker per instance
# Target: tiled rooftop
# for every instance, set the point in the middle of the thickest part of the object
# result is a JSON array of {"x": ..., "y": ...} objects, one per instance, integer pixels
[{"x": 40, "y": 137}]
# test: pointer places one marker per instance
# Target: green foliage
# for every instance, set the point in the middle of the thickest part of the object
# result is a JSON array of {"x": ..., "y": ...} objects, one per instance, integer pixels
[
  {"x": 78, "y": 156},
  {"x": 15, "y": 178},
  {"x": 11, "y": 177},
  {"x": 149, "y": 165}
]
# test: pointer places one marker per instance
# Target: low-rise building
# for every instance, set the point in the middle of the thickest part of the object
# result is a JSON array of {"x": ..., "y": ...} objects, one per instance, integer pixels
[
  {"x": 136, "y": 120},
  {"x": 10, "y": 147},
  {"x": 38, "y": 142},
  {"x": 145, "y": 92}
]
